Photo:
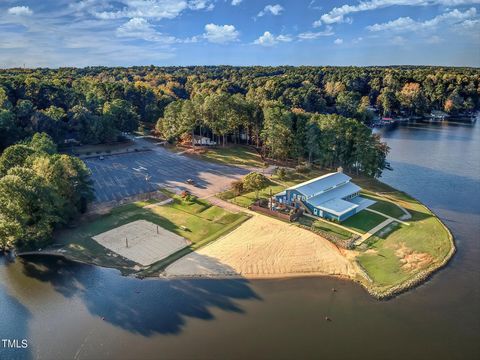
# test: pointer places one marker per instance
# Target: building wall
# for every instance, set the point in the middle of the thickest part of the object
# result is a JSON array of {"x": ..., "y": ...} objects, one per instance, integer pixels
[
  {"x": 292, "y": 195},
  {"x": 348, "y": 214}
]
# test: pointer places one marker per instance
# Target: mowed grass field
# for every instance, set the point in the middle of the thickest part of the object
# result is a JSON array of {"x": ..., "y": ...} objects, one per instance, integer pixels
[
  {"x": 383, "y": 205},
  {"x": 363, "y": 221},
  {"x": 195, "y": 220},
  {"x": 248, "y": 198},
  {"x": 399, "y": 252},
  {"x": 234, "y": 155}
]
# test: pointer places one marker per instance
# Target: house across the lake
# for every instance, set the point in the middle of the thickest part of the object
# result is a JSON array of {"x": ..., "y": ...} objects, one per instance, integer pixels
[{"x": 331, "y": 196}]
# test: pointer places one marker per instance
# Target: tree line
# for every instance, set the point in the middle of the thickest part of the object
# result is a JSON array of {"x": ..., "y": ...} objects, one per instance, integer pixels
[
  {"x": 328, "y": 140},
  {"x": 95, "y": 104},
  {"x": 40, "y": 190}
]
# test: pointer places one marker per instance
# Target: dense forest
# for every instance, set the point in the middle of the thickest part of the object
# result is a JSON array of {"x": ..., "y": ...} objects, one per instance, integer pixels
[{"x": 319, "y": 114}]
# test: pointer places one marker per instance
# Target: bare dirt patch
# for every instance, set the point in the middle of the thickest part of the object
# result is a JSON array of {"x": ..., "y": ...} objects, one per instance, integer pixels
[
  {"x": 147, "y": 242},
  {"x": 412, "y": 260}
]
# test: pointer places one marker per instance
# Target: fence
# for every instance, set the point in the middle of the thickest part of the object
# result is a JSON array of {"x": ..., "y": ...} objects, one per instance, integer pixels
[{"x": 289, "y": 217}]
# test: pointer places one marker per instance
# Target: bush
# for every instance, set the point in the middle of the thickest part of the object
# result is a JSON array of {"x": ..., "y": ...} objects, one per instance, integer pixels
[
  {"x": 303, "y": 169},
  {"x": 237, "y": 187},
  {"x": 281, "y": 173}
]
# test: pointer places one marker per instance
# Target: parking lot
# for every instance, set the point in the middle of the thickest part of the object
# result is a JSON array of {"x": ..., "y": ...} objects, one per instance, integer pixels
[{"x": 119, "y": 176}]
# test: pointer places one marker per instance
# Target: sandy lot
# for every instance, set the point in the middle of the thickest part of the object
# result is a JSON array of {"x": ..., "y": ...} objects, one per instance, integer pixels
[
  {"x": 145, "y": 245},
  {"x": 264, "y": 247}
]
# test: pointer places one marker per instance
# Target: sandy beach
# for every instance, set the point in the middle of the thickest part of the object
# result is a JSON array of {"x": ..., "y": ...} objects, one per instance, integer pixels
[{"x": 263, "y": 247}]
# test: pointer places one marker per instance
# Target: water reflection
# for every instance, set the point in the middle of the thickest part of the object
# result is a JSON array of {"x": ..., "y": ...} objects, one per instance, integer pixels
[
  {"x": 14, "y": 319},
  {"x": 144, "y": 307}
]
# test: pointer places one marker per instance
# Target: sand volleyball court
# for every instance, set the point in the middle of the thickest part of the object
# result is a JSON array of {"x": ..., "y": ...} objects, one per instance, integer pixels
[
  {"x": 263, "y": 247},
  {"x": 146, "y": 241}
]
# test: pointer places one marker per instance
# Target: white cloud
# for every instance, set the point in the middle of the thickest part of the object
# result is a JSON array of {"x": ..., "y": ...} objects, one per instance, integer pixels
[
  {"x": 220, "y": 34},
  {"x": 310, "y": 35},
  {"x": 271, "y": 9},
  {"x": 20, "y": 11},
  {"x": 338, "y": 41},
  {"x": 141, "y": 29},
  {"x": 339, "y": 14},
  {"x": 149, "y": 9},
  {"x": 268, "y": 39},
  {"x": 236, "y": 2},
  {"x": 201, "y": 4},
  {"x": 405, "y": 24}
]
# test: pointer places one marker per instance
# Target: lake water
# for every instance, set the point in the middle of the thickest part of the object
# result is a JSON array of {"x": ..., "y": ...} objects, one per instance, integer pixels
[{"x": 68, "y": 311}]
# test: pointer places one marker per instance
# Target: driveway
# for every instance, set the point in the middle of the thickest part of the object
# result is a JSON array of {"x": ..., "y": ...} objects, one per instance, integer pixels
[{"x": 123, "y": 175}]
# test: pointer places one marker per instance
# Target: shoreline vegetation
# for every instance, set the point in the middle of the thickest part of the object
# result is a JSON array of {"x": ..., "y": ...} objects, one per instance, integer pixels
[{"x": 390, "y": 262}]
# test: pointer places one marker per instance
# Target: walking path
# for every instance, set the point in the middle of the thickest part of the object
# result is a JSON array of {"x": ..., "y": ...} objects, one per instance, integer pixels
[
  {"x": 227, "y": 205},
  {"x": 371, "y": 232},
  {"x": 387, "y": 216},
  {"x": 379, "y": 227}
]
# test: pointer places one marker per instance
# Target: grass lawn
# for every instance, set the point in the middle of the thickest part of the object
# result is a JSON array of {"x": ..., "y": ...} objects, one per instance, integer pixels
[
  {"x": 325, "y": 227},
  {"x": 384, "y": 206},
  {"x": 404, "y": 251},
  {"x": 363, "y": 221},
  {"x": 202, "y": 223},
  {"x": 247, "y": 199},
  {"x": 235, "y": 155}
]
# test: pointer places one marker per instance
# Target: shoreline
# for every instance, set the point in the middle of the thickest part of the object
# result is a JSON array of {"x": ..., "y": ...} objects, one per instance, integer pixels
[
  {"x": 416, "y": 281},
  {"x": 362, "y": 277}
]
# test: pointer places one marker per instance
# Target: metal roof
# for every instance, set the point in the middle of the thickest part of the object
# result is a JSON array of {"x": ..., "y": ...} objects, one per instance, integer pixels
[
  {"x": 336, "y": 193},
  {"x": 321, "y": 184},
  {"x": 337, "y": 206}
]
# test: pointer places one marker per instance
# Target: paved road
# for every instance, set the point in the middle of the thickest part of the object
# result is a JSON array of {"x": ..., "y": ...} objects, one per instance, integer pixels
[{"x": 119, "y": 176}]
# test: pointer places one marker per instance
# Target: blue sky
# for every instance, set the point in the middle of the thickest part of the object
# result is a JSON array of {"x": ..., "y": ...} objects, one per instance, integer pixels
[{"x": 53, "y": 33}]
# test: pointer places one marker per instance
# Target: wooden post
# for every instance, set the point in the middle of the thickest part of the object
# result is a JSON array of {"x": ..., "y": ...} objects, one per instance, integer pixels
[
  {"x": 157, "y": 229},
  {"x": 126, "y": 241},
  {"x": 271, "y": 200}
]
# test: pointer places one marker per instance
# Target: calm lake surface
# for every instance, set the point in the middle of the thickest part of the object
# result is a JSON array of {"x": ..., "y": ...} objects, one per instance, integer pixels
[{"x": 68, "y": 311}]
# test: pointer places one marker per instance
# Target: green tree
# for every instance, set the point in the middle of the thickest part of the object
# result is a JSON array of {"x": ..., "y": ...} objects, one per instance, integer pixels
[
  {"x": 255, "y": 182},
  {"x": 277, "y": 130},
  {"x": 8, "y": 128},
  {"x": 312, "y": 138},
  {"x": 41, "y": 142},
  {"x": 15, "y": 155},
  {"x": 70, "y": 178},
  {"x": 27, "y": 208},
  {"x": 122, "y": 113}
]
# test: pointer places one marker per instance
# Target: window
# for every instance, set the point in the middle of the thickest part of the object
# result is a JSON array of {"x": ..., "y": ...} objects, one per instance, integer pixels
[{"x": 315, "y": 211}]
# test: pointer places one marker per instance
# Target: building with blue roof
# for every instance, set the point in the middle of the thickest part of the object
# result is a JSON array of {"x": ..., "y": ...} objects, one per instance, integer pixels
[{"x": 332, "y": 196}]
